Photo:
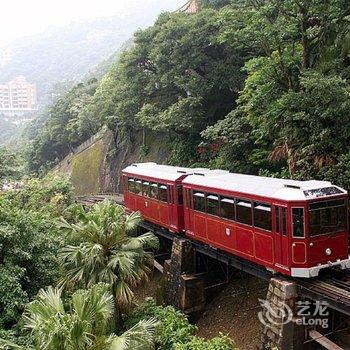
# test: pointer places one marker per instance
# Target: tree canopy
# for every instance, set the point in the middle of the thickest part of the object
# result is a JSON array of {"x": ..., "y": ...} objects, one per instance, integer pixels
[{"x": 252, "y": 86}]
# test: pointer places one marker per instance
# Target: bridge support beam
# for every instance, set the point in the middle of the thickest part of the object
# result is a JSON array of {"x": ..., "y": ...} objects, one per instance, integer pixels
[
  {"x": 280, "y": 330},
  {"x": 182, "y": 288}
]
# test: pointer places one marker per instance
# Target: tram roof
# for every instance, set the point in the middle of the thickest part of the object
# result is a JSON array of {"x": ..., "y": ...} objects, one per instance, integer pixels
[
  {"x": 168, "y": 172},
  {"x": 283, "y": 189}
]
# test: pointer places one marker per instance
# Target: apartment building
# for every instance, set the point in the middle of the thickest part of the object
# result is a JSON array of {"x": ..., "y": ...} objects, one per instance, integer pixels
[{"x": 17, "y": 96}]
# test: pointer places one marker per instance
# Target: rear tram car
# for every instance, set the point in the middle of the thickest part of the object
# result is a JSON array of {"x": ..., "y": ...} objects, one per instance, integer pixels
[{"x": 296, "y": 228}]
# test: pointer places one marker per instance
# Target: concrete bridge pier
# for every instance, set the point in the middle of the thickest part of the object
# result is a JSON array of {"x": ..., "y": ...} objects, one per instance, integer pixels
[
  {"x": 182, "y": 288},
  {"x": 280, "y": 327}
]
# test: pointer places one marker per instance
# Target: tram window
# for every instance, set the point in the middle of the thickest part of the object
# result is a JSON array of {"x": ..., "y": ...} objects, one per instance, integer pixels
[
  {"x": 163, "y": 193},
  {"x": 138, "y": 187},
  {"x": 131, "y": 185},
  {"x": 262, "y": 216},
  {"x": 298, "y": 222},
  {"x": 154, "y": 190},
  {"x": 327, "y": 217},
  {"x": 213, "y": 206},
  {"x": 145, "y": 188},
  {"x": 244, "y": 211},
  {"x": 227, "y": 208},
  {"x": 179, "y": 195},
  {"x": 199, "y": 201}
]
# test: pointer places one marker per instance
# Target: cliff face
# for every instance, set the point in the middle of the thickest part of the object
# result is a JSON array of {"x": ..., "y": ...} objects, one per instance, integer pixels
[{"x": 96, "y": 167}]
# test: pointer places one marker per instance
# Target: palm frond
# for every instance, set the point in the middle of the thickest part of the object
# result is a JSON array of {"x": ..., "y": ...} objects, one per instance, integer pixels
[
  {"x": 123, "y": 294},
  {"x": 48, "y": 304},
  {"x": 8, "y": 345},
  {"x": 139, "y": 337},
  {"x": 144, "y": 241},
  {"x": 96, "y": 303},
  {"x": 132, "y": 221}
]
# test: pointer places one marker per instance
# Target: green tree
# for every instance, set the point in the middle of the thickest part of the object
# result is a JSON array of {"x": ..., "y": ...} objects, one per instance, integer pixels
[
  {"x": 83, "y": 325},
  {"x": 106, "y": 252},
  {"x": 71, "y": 120},
  {"x": 10, "y": 167},
  {"x": 29, "y": 242},
  {"x": 290, "y": 119},
  {"x": 177, "y": 78}
]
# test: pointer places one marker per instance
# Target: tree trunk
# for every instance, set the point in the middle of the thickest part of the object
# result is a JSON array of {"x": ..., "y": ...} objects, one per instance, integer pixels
[{"x": 304, "y": 39}]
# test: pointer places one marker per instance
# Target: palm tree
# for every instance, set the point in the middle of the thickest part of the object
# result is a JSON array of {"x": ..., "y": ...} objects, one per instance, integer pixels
[
  {"x": 84, "y": 327},
  {"x": 107, "y": 253}
]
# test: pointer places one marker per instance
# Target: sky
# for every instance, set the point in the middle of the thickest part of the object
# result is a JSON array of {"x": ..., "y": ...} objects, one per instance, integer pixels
[{"x": 19, "y": 18}]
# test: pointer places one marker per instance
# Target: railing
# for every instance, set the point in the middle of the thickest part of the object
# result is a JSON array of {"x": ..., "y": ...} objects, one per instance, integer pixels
[{"x": 85, "y": 145}]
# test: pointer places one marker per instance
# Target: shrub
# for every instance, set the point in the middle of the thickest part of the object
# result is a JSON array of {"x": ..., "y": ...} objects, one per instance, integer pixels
[
  {"x": 174, "y": 332},
  {"x": 218, "y": 343},
  {"x": 173, "y": 326}
]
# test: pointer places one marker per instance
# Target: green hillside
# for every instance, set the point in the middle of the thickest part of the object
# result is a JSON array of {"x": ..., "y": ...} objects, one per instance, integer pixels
[{"x": 250, "y": 87}]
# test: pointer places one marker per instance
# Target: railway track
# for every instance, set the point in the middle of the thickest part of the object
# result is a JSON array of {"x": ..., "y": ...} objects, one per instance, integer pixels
[
  {"x": 333, "y": 288},
  {"x": 93, "y": 199}
]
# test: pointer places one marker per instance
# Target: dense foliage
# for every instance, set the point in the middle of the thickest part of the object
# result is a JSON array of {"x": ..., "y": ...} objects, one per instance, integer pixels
[
  {"x": 174, "y": 332},
  {"x": 176, "y": 79},
  {"x": 82, "y": 322},
  {"x": 29, "y": 242},
  {"x": 10, "y": 165},
  {"x": 90, "y": 249},
  {"x": 251, "y": 86},
  {"x": 70, "y": 122},
  {"x": 291, "y": 117}
]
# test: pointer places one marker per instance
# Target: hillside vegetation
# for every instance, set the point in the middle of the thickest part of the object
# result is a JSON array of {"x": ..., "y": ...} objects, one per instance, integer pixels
[
  {"x": 249, "y": 86},
  {"x": 68, "y": 274}
]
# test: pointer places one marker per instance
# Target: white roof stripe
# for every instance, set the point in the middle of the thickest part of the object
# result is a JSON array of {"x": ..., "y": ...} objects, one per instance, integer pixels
[
  {"x": 166, "y": 172},
  {"x": 260, "y": 186}
]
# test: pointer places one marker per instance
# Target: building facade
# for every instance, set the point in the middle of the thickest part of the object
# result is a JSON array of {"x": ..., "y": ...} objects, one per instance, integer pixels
[
  {"x": 191, "y": 6},
  {"x": 17, "y": 97}
]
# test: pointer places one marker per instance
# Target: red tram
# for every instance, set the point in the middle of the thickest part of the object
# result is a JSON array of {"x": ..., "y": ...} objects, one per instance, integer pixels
[{"x": 296, "y": 228}]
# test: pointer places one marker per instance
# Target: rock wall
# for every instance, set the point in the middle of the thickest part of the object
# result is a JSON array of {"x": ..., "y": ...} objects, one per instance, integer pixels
[{"x": 96, "y": 167}]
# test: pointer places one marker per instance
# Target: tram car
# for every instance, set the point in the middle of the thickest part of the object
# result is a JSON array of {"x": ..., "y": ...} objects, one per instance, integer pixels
[{"x": 296, "y": 228}]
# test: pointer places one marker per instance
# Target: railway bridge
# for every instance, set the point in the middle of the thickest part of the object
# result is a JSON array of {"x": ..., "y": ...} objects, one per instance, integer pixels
[{"x": 191, "y": 269}]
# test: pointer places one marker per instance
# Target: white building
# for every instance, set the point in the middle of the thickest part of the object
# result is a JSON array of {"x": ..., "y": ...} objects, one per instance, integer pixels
[{"x": 18, "y": 97}]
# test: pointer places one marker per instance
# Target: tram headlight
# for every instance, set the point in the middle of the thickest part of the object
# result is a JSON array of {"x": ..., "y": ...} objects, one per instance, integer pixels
[{"x": 328, "y": 251}]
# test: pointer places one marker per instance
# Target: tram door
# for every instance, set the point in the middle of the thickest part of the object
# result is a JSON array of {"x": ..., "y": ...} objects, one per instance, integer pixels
[
  {"x": 281, "y": 236},
  {"x": 188, "y": 212}
]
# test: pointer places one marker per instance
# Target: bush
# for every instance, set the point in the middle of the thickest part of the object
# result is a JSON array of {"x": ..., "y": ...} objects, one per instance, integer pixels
[
  {"x": 173, "y": 326},
  {"x": 174, "y": 332},
  {"x": 218, "y": 343},
  {"x": 29, "y": 242}
]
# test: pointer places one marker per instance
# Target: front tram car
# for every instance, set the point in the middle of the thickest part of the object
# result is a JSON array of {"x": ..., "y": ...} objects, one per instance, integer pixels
[{"x": 296, "y": 228}]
